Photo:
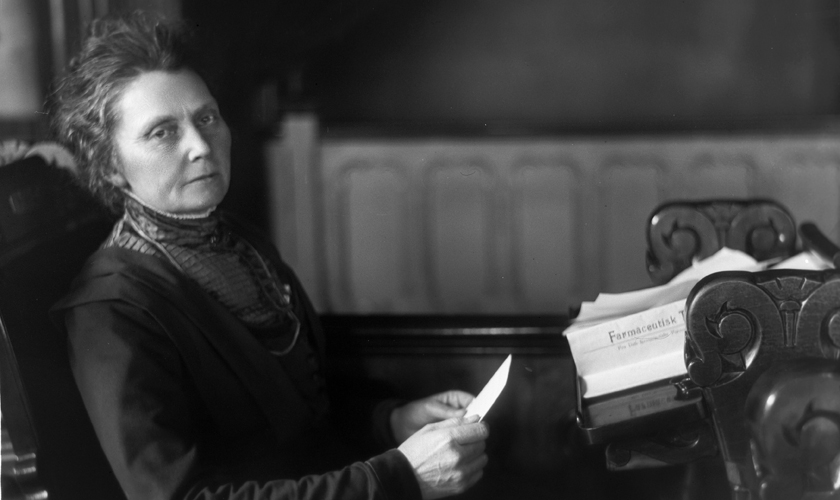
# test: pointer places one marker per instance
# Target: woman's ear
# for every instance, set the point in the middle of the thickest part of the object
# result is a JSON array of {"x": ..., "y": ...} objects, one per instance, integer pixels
[{"x": 118, "y": 180}]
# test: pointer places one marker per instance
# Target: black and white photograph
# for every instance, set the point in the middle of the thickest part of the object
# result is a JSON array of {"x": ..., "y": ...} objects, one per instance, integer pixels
[{"x": 466, "y": 249}]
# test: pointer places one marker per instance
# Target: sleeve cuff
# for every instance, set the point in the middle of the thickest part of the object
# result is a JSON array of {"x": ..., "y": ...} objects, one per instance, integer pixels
[
  {"x": 395, "y": 475},
  {"x": 381, "y": 421}
]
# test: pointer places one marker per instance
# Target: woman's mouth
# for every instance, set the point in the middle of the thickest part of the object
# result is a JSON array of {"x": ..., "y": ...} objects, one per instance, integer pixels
[{"x": 203, "y": 178}]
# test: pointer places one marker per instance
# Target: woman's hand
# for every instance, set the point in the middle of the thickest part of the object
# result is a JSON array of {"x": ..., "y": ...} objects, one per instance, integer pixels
[
  {"x": 410, "y": 418},
  {"x": 448, "y": 457}
]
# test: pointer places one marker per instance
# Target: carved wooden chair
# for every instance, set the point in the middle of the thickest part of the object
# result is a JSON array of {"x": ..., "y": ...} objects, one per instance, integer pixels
[
  {"x": 47, "y": 229},
  {"x": 763, "y": 347},
  {"x": 681, "y": 231}
]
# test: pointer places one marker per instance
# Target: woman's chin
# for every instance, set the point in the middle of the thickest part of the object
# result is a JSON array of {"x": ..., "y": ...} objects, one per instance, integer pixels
[
  {"x": 206, "y": 198},
  {"x": 199, "y": 208}
]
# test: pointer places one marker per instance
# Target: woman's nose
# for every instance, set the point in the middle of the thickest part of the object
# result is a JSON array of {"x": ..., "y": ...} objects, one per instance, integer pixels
[{"x": 198, "y": 146}]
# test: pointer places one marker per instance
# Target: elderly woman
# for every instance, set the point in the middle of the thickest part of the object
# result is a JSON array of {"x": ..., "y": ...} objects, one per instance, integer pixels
[{"x": 196, "y": 351}]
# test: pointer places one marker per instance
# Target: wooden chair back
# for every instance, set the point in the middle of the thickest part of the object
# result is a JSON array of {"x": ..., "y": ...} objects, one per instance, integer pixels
[
  {"x": 48, "y": 227},
  {"x": 680, "y": 231},
  {"x": 748, "y": 337}
]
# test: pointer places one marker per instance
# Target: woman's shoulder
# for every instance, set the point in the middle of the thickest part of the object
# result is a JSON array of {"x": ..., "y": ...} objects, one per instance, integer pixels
[{"x": 115, "y": 273}]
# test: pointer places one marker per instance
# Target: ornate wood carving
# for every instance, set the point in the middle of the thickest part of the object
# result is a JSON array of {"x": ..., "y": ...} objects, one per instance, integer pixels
[
  {"x": 739, "y": 325},
  {"x": 679, "y": 232},
  {"x": 793, "y": 414}
]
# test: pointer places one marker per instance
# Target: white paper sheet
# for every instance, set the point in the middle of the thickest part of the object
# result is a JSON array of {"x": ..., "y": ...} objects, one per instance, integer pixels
[
  {"x": 609, "y": 306},
  {"x": 485, "y": 399},
  {"x": 806, "y": 261},
  {"x": 627, "y": 339},
  {"x": 630, "y": 351}
]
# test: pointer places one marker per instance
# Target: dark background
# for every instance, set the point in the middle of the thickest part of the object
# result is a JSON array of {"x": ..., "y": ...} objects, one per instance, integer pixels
[
  {"x": 495, "y": 67},
  {"x": 580, "y": 63},
  {"x": 490, "y": 67}
]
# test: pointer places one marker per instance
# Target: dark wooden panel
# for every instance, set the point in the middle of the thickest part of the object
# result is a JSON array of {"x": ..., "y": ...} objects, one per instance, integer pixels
[
  {"x": 415, "y": 356},
  {"x": 534, "y": 448}
]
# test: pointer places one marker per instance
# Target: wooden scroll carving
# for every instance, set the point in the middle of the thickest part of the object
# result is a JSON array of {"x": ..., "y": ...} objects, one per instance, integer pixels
[
  {"x": 739, "y": 326},
  {"x": 679, "y": 232},
  {"x": 793, "y": 413}
]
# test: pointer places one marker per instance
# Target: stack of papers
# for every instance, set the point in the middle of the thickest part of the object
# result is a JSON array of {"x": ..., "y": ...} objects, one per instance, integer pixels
[
  {"x": 624, "y": 340},
  {"x": 807, "y": 261}
]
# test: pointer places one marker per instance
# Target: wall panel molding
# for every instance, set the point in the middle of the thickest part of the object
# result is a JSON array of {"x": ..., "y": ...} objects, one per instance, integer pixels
[
  {"x": 461, "y": 195},
  {"x": 516, "y": 225}
]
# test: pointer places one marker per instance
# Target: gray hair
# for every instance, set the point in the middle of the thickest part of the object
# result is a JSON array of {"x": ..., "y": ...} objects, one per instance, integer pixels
[{"x": 82, "y": 105}]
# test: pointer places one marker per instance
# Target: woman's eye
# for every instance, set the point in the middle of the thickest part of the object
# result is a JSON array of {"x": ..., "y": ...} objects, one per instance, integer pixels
[
  {"x": 208, "y": 119},
  {"x": 161, "y": 133}
]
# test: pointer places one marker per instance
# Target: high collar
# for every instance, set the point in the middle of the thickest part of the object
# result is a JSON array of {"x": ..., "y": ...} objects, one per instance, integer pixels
[{"x": 170, "y": 228}]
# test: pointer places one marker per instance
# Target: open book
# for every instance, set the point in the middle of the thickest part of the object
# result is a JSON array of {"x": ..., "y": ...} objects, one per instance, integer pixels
[{"x": 625, "y": 340}]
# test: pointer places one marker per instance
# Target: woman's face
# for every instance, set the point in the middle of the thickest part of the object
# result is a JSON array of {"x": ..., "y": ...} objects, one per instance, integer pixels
[{"x": 172, "y": 145}]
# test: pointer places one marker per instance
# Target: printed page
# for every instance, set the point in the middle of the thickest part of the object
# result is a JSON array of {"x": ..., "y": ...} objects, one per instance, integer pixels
[
  {"x": 669, "y": 365},
  {"x": 630, "y": 351},
  {"x": 628, "y": 339},
  {"x": 609, "y": 306}
]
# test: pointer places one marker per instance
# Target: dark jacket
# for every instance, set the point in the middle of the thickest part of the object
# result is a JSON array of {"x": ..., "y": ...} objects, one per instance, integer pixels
[{"x": 187, "y": 403}]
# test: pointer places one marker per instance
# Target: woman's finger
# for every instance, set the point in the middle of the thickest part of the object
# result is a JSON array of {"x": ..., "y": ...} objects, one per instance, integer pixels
[
  {"x": 470, "y": 433},
  {"x": 456, "y": 399},
  {"x": 472, "y": 450}
]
